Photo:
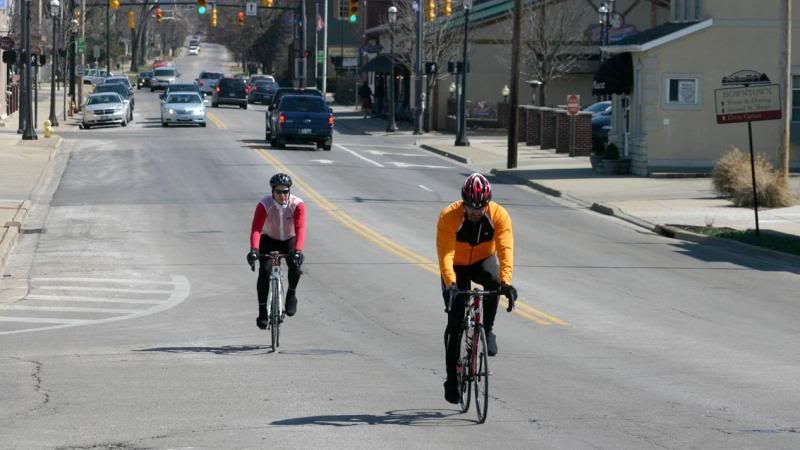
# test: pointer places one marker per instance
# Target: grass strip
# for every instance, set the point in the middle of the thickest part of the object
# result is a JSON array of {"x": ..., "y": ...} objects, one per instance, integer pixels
[{"x": 772, "y": 240}]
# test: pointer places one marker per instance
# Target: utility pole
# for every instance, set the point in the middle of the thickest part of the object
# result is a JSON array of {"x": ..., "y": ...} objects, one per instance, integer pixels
[
  {"x": 108, "y": 38},
  {"x": 513, "y": 125},
  {"x": 786, "y": 81},
  {"x": 418, "y": 82},
  {"x": 325, "y": 49}
]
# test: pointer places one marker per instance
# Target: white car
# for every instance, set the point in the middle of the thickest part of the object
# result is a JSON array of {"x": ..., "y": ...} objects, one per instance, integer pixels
[
  {"x": 162, "y": 77},
  {"x": 102, "y": 109},
  {"x": 183, "y": 108},
  {"x": 195, "y": 50}
]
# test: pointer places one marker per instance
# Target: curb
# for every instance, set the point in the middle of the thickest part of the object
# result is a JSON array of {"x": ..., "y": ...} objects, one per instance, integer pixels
[
  {"x": 446, "y": 154},
  {"x": 679, "y": 233}
]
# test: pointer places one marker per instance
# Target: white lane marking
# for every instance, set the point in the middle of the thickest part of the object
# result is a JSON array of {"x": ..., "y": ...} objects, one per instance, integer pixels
[
  {"x": 181, "y": 293},
  {"x": 64, "y": 322},
  {"x": 358, "y": 155},
  {"x": 69, "y": 309},
  {"x": 382, "y": 153},
  {"x": 403, "y": 165},
  {"x": 322, "y": 161},
  {"x": 425, "y": 188},
  {"x": 106, "y": 280},
  {"x": 381, "y": 146},
  {"x": 100, "y": 289},
  {"x": 78, "y": 298}
]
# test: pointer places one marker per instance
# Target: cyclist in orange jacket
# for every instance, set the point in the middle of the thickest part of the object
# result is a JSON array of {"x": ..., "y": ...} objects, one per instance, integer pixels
[{"x": 471, "y": 236}]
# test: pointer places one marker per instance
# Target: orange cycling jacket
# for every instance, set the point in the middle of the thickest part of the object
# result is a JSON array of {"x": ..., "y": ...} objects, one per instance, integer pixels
[{"x": 462, "y": 243}]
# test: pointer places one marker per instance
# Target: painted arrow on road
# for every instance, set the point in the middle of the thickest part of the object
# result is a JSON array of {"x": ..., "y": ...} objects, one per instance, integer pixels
[{"x": 322, "y": 161}]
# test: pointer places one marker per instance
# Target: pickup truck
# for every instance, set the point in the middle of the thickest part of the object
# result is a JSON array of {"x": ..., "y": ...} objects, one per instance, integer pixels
[{"x": 303, "y": 119}]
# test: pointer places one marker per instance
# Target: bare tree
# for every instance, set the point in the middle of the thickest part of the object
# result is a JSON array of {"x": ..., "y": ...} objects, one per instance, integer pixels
[{"x": 552, "y": 40}]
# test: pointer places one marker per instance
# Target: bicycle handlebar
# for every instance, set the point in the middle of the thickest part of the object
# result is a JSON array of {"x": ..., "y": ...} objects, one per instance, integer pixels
[
  {"x": 470, "y": 292},
  {"x": 276, "y": 258}
]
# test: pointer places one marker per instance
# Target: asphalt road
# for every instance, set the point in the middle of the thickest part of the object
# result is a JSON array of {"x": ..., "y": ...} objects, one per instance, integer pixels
[{"x": 136, "y": 327}]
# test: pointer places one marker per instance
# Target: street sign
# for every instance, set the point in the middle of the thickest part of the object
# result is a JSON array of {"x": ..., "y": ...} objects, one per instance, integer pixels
[
  {"x": 79, "y": 71},
  {"x": 573, "y": 104},
  {"x": 320, "y": 56},
  {"x": 96, "y": 51},
  {"x": 80, "y": 45},
  {"x": 748, "y": 104},
  {"x": 251, "y": 9}
]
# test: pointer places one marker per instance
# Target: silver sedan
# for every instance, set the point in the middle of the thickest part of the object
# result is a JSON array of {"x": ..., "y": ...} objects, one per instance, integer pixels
[
  {"x": 104, "y": 108},
  {"x": 183, "y": 108}
]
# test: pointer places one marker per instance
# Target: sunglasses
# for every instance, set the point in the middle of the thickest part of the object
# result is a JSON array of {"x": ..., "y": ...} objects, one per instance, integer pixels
[{"x": 281, "y": 191}]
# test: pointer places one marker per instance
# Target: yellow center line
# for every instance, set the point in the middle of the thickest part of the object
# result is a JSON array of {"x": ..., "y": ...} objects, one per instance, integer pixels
[
  {"x": 215, "y": 120},
  {"x": 404, "y": 253}
]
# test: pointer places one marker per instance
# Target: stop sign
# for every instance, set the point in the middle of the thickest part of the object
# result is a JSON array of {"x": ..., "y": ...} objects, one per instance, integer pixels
[{"x": 573, "y": 104}]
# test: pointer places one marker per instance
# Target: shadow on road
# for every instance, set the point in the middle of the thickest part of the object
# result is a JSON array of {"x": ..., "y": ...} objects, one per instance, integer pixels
[
  {"x": 437, "y": 417},
  {"x": 222, "y": 350},
  {"x": 260, "y": 144}
]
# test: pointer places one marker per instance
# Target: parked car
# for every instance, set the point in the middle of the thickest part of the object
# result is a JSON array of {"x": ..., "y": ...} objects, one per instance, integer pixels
[
  {"x": 123, "y": 80},
  {"x": 601, "y": 123},
  {"x": 262, "y": 92},
  {"x": 162, "y": 77},
  {"x": 276, "y": 98},
  {"x": 143, "y": 79},
  {"x": 208, "y": 81},
  {"x": 104, "y": 108},
  {"x": 180, "y": 87},
  {"x": 194, "y": 50},
  {"x": 230, "y": 91},
  {"x": 123, "y": 92},
  {"x": 183, "y": 108},
  {"x": 598, "y": 107},
  {"x": 303, "y": 119},
  {"x": 95, "y": 76}
]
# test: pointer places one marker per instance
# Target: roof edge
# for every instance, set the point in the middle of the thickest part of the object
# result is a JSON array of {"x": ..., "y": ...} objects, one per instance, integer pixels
[{"x": 659, "y": 41}]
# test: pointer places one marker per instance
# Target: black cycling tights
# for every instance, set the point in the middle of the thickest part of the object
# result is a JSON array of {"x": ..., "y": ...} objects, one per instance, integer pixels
[
  {"x": 484, "y": 273},
  {"x": 271, "y": 245}
]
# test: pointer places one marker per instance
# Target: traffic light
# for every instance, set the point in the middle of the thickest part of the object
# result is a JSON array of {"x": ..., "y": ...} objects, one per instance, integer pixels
[
  {"x": 201, "y": 6},
  {"x": 214, "y": 17},
  {"x": 430, "y": 12},
  {"x": 448, "y": 7},
  {"x": 352, "y": 10},
  {"x": 114, "y": 4},
  {"x": 266, "y": 3},
  {"x": 240, "y": 18},
  {"x": 159, "y": 15},
  {"x": 131, "y": 20}
]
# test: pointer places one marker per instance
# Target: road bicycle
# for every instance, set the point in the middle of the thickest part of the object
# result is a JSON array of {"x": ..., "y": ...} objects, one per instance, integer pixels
[
  {"x": 275, "y": 299},
  {"x": 472, "y": 368}
]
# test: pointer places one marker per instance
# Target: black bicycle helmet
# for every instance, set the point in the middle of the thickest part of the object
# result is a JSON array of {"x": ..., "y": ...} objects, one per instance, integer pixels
[{"x": 280, "y": 179}]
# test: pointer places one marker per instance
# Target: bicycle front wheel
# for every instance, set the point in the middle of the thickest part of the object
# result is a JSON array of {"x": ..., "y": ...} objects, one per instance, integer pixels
[
  {"x": 464, "y": 370},
  {"x": 481, "y": 376},
  {"x": 274, "y": 313}
]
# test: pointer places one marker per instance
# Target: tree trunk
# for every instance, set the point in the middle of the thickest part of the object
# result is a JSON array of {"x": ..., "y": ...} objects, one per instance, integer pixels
[{"x": 541, "y": 95}]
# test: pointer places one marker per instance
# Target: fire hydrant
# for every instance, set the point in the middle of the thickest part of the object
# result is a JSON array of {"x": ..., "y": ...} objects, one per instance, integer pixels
[{"x": 48, "y": 129}]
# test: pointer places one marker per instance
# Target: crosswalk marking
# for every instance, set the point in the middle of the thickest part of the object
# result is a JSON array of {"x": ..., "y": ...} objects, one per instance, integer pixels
[
  {"x": 78, "y": 298},
  {"x": 71, "y": 309},
  {"x": 100, "y": 289},
  {"x": 106, "y": 280}
]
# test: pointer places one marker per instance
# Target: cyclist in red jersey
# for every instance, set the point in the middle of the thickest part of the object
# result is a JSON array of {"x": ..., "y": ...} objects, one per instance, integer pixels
[{"x": 279, "y": 224}]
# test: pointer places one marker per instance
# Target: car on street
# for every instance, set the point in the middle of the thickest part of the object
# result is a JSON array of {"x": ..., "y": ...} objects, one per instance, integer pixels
[
  {"x": 276, "y": 98},
  {"x": 230, "y": 91},
  {"x": 208, "y": 81},
  {"x": 121, "y": 79},
  {"x": 104, "y": 109},
  {"x": 601, "y": 123},
  {"x": 180, "y": 87},
  {"x": 261, "y": 92},
  {"x": 162, "y": 77},
  {"x": 194, "y": 50},
  {"x": 183, "y": 108},
  {"x": 598, "y": 107},
  {"x": 303, "y": 119},
  {"x": 95, "y": 76},
  {"x": 123, "y": 92},
  {"x": 143, "y": 79}
]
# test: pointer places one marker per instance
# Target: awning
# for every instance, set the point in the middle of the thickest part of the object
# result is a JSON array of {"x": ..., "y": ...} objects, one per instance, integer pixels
[
  {"x": 383, "y": 64},
  {"x": 615, "y": 76}
]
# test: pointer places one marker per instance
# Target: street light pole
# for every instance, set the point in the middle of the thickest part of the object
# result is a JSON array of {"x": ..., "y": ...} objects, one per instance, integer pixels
[
  {"x": 29, "y": 133},
  {"x": 392, "y": 126},
  {"x": 419, "y": 74},
  {"x": 108, "y": 39},
  {"x": 461, "y": 137},
  {"x": 24, "y": 102},
  {"x": 54, "y": 6}
]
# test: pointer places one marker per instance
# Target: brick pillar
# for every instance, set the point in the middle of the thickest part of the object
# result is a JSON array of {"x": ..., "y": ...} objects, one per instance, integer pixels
[
  {"x": 583, "y": 134},
  {"x": 562, "y": 131},
  {"x": 533, "y": 126},
  {"x": 548, "y": 128}
]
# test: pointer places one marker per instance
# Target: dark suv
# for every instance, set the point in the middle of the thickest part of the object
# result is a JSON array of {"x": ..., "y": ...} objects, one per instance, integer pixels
[
  {"x": 230, "y": 91},
  {"x": 276, "y": 100}
]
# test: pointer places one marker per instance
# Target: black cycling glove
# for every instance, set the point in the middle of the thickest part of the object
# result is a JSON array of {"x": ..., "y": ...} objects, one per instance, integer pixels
[
  {"x": 510, "y": 293},
  {"x": 450, "y": 296},
  {"x": 252, "y": 257},
  {"x": 297, "y": 257}
]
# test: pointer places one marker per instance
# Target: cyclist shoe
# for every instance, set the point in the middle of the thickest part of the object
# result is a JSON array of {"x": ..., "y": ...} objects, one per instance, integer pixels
[
  {"x": 491, "y": 344},
  {"x": 451, "y": 393},
  {"x": 291, "y": 302},
  {"x": 261, "y": 322}
]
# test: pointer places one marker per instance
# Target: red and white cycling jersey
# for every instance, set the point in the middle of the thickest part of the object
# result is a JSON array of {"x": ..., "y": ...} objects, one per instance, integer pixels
[{"x": 279, "y": 222}]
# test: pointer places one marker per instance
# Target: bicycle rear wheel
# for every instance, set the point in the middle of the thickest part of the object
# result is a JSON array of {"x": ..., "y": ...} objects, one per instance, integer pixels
[
  {"x": 274, "y": 313},
  {"x": 464, "y": 370},
  {"x": 481, "y": 376}
]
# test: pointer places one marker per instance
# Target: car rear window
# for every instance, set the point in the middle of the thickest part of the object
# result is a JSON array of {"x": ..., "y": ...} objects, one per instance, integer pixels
[
  {"x": 232, "y": 83},
  {"x": 113, "y": 87},
  {"x": 266, "y": 85},
  {"x": 302, "y": 104},
  {"x": 211, "y": 75},
  {"x": 165, "y": 72}
]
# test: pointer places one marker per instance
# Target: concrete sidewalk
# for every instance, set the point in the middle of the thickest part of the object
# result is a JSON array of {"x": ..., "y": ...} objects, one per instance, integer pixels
[
  {"x": 646, "y": 201},
  {"x": 23, "y": 165}
]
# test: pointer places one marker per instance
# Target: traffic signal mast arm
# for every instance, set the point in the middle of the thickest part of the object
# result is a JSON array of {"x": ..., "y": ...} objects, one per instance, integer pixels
[{"x": 186, "y": 2}]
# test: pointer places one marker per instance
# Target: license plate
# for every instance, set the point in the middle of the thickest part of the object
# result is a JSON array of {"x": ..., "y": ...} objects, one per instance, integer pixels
[{"x": 305, "y": 131}]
